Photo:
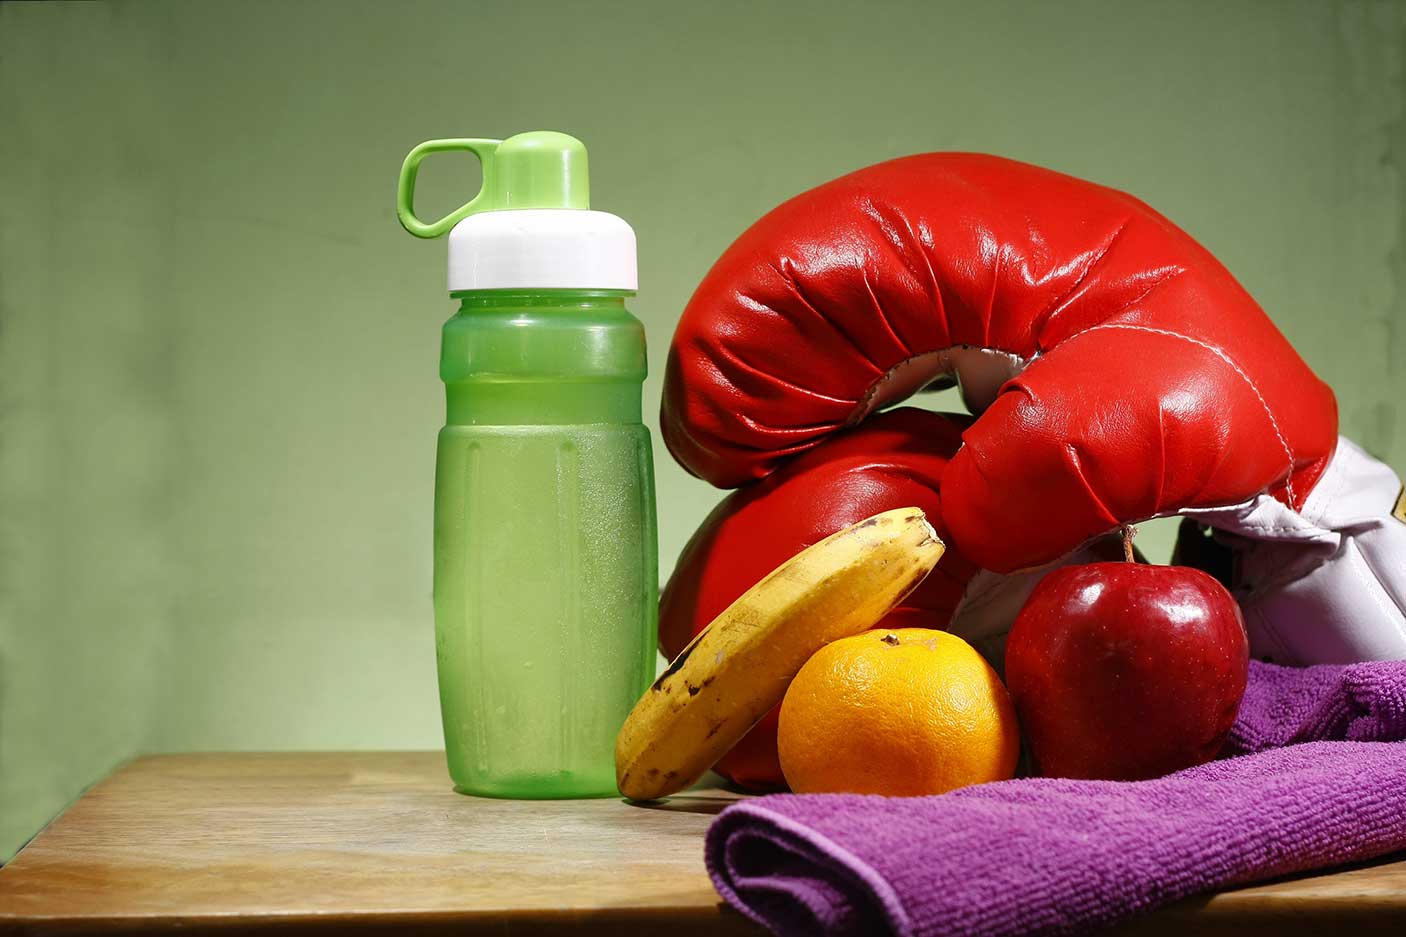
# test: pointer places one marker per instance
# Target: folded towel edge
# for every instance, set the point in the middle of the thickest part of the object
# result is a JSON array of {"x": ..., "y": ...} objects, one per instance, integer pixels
[{"x": 886, "y": 897}]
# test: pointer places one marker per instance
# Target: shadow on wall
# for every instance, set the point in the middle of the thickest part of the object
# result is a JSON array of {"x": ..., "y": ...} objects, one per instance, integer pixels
[
  {"x": 1377, "y": 422},
  {"x": 6, "y": 564},
  {"x": 6, "y": 795}
]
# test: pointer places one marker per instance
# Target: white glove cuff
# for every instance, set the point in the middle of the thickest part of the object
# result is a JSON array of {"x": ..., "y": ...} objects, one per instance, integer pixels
[{"x": 1326, "y": 584}]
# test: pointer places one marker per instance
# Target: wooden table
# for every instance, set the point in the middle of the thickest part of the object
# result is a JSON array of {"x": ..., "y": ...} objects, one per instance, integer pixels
[{"x": 360, "y": 843}]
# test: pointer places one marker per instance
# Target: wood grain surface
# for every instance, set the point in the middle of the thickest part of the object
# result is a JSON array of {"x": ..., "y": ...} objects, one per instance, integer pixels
[{"x": 378, "y": 842}]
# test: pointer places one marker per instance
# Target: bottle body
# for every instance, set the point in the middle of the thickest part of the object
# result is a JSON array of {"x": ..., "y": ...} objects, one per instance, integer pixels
[{"x": 545, "y": 566}]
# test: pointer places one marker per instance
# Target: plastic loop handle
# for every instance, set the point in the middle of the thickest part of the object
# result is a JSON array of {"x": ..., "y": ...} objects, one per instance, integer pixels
[{"x": 405, "y": 193}]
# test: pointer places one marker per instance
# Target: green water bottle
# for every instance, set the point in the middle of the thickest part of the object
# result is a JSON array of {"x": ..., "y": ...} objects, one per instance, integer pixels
[{"x": 545, "y": 553}]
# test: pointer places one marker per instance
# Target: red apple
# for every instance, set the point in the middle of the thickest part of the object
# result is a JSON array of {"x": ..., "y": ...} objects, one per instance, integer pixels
[{"x": 1126, "y": 671}]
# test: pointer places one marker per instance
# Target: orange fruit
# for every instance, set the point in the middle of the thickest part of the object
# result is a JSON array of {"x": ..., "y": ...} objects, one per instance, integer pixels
[{"x": 903, "y": 712}]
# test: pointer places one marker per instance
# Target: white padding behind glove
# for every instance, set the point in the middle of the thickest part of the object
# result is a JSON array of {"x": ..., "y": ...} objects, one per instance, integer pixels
[{"x": 1325, "y": 585}]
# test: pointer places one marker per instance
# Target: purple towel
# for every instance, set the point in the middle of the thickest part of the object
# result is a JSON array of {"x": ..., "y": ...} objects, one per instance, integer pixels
[{"x": 1314, "y": 782}]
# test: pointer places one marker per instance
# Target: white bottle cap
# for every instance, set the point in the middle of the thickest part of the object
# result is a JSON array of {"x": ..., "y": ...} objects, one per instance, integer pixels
[{"x": 542, "y": 248}]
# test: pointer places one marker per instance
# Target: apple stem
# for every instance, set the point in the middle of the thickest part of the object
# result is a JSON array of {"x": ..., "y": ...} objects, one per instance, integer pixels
[{"x": 1128, "y": 543}]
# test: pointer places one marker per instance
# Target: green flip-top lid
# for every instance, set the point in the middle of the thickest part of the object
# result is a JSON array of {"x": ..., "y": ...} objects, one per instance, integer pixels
[{"x": 539, "y": 169}]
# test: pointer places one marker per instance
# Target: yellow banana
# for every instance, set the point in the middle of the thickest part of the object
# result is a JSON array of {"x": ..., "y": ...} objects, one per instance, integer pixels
[{"x": 738, "y": 668}]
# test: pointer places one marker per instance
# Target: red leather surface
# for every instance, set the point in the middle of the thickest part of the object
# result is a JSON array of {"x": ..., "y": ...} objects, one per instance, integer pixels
[
  {"x": 894, "y": 459},
  {"x": 1157, "y": 383}
]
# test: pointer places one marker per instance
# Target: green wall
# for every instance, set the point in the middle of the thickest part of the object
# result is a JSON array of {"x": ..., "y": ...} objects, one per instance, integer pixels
[{"x": 218, "y": 396}]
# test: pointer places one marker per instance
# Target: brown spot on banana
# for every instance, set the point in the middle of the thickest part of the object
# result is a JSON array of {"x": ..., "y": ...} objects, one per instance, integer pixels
[{"x": 678, "y": 662}]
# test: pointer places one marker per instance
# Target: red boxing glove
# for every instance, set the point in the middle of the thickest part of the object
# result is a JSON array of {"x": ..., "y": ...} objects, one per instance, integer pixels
[
  {"x": 895, "y": 460},
  {"x": 1119, "y": 371}
]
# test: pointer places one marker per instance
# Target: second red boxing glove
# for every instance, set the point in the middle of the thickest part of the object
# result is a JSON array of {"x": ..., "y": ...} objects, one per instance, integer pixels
[{"x": 894, "y": 460}]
